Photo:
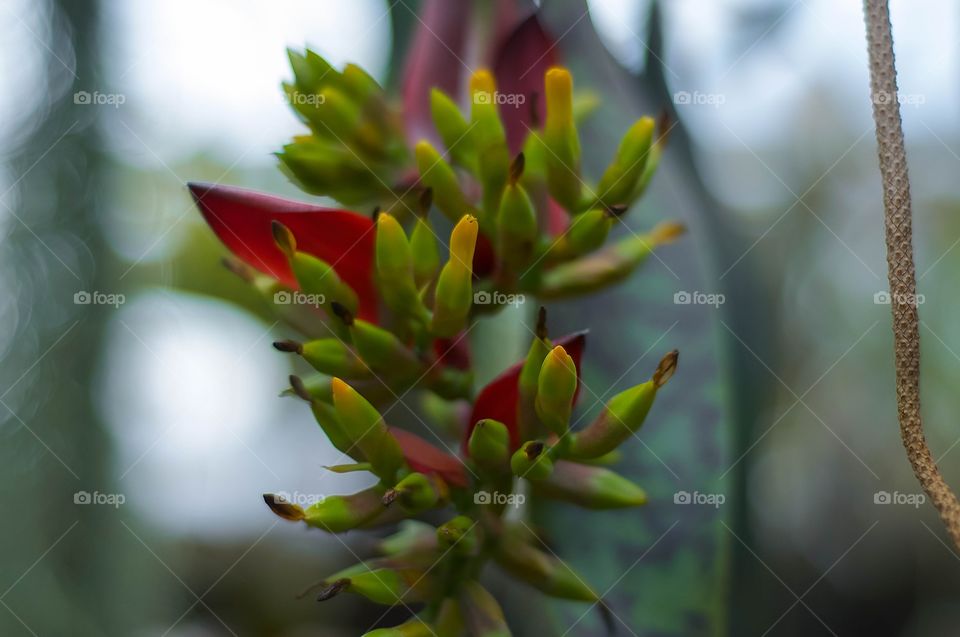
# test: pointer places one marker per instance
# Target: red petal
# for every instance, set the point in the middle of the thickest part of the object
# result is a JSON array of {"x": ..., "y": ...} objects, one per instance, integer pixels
[
  {"x": 499, "y": 400},
  {"x": 426, "y": 458},
  {"x": 452, "y": 352},
  {"x": 484, "y": 259},
  {"x": 557, "y": 218},
  {"x": 434, "y": 61},
  {"x": 519, "y": 67},
  {"x": 241, "y": 219}
]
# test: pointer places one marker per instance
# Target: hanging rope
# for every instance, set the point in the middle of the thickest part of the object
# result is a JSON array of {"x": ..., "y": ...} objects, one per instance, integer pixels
[{"x": 900, "y": 268}]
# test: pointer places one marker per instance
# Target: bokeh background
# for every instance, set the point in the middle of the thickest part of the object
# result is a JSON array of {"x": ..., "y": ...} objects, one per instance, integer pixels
[{"x": 160, "y": 400}]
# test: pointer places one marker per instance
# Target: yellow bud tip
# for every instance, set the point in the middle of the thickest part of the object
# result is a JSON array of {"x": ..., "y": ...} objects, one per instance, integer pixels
[
  {"x": 341, "y": 391},
  {"x": 666, "y": 369},
  {"x": 667, "y": 232},
  {"x": 482, "y": 82},
  {"x": 425, "y": 151},
  {"x": 283, "y": 238},
  {"x": 463, "y": 240},
  {"x": 387, "y": 223},
  {"x": 559, "y": 90},
  {"x": 558, "y": 355}
]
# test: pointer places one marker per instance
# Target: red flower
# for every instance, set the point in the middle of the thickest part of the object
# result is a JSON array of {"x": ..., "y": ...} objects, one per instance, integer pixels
[
  {"x": 241, "y": 218},
  {"x": 425, "y": 458},
  {"x": 500, "y": 399}
]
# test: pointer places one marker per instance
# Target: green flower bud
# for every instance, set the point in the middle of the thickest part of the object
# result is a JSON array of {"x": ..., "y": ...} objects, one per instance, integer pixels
[
  {"x": 561, "y": 140},
  {"x": 326, "y": 417},
  {"x": 417, "y": 493},
  {"x": 459, "y": 535},
  {"x": 334, "y": 514},
  {"x": 490, "y": 140},
  {"x": 489, "y": 445},
  {"x": 516, "y": 221},
  {"x": 412, "y": 628},
  {"x": 454, "y": 294},
  {"x": 359, "y": 84},
  {"x": 620, "y": 179},
  {"x": 556, "y": 387},
  {"x": 623, "y": 415},
  {"x": 395, "y": 269},
  {"x": 481, "y": 612},
  {"x": 366, "y": 429},
  {"x": 310, "y": 70},
  {"x": 380, "y": 349},
  {"x": 449, "y": 620},
  {"x": 653, "y": 160},
  {"x": 413, "y": 538},
  {"x": 423, "y": 247},
  {"x": 388, "y": 586},
  {"x": 436, "y": 174},
  {"x": 531, "y": 461},
  {"x": 315, "y": 276},
  {"x": 610, "y": 265},
  {"x": 529, "y": 424},
  {"x": 541, "y": 570},
  {"x": 453, "y": 129},
  {"x": 330, "y": 356},
  {"x": 587, "y": 232},
  {"x": 590, "y": 487},
  {"x": 321, "y": 167}
]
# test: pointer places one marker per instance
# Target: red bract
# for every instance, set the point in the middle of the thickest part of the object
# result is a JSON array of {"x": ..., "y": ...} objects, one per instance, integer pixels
[
  {"x": 500, "y": 399},
  {"x": 241, "y": 218},
  {"x": 425, "y": 458}
]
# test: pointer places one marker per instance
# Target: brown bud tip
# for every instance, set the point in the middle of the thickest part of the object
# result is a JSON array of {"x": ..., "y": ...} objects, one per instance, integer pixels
[
  {"x": 516, "y": 168},
  {"x": 534, "y": 111},
  {"x": 533, "y": 450},
  {"x": 238, "y": 267},
  {"x": 333, "y": 590},
  {"x": 664, "y": 126},
  {"x": 283, "y": 238},
  {"x": 665, "y": 369},
  {"x": 542, "y": 323},
  {"x": 342, "y": 313},
  {"x": 296, "y": 383},
  {"x": 617, "y": 210},
  {"x": 426, "y": 200},
  {"x": 389, "y": 497},
  {"x": 376, "y": 213},
  {"x": 289, "y": 346},
  {"x": 282, "y": 508}
]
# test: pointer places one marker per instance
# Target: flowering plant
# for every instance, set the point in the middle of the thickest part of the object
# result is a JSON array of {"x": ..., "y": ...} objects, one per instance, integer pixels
[{"x": 380, "y": 316}]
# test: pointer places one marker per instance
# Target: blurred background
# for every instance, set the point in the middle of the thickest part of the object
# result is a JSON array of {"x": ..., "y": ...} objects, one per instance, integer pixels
[{"x": 139, "y": 410}]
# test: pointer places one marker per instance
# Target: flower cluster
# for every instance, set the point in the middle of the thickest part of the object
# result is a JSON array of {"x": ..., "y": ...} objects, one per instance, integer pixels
[{"x": 383, "y": 316}]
